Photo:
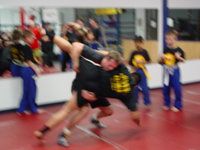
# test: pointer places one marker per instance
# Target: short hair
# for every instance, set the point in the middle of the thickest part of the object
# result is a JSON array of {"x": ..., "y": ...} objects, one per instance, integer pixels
[
  {"x": 172, "y": 32},
  {"x": 27, "y": 33},
  {"x": 138, "y": 39},
  {"x": 115, "y": 56},
  {"x": 17, "y": 35},
  {"x": 136, "y": 78}
]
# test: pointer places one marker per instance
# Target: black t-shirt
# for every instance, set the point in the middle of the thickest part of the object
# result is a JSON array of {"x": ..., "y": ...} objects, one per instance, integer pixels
[
  {"x": 21, "y": 53},
  {"x": 142, "y": 52},
  {"x": 89, "y": 77},
  {"x": 173, "y": 51},
  {"x": 114, "y": 84},
  {"x": 117, "y": 81},
  {"x": 90, "y": 54}
]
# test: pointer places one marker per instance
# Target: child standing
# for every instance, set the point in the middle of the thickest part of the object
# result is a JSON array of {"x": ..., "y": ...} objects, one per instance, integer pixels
[
  {"x": 138, "y": 59},
  {"x": 171, "y": 72},
  {"x": 23, "y": 66}
]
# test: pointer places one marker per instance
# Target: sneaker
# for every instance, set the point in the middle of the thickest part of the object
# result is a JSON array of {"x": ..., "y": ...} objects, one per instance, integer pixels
[
  {"x": 62, "y": 141},
  {"x": 97, "y": 123},
  {"x": 174, "y": 109}
]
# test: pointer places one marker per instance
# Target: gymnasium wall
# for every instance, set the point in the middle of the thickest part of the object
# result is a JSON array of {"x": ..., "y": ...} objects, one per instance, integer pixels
[
  {"x": 52, "y": 88},
  {"x": 191, "y": 49},
  {"x": 189, "y": 70},
  {"x": 55, "y": 88}
]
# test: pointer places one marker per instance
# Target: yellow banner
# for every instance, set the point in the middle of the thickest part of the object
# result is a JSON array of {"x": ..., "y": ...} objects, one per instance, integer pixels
[{"x": 108, "y": 11}]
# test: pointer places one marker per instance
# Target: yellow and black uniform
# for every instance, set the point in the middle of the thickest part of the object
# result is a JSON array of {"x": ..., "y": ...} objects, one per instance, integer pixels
[
  {"x": 170, "y": 56},
  {"x": 89, "y": 79},
  {"x": 20, "y": 54},
  {"x": 141, "y": 55},
  {"x": 117, "y": 83},
  {"x": 171, "y": 77}
]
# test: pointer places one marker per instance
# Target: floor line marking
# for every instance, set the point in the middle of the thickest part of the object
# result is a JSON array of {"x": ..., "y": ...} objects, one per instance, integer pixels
[
  {"x": 188, "y": 101},
  {"x": 115, "y": 145},
  {"x": 192, "y": 92}
]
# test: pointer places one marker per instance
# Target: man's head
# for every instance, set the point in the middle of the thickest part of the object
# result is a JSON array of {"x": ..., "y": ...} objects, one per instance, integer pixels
[
  {"x": 136, "y": 78},
  {"x": 111, "y": 60}
]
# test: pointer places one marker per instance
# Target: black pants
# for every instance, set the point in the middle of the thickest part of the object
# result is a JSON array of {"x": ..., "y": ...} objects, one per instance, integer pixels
[
  {"x": 3, "y": 68},
  {"x": 47, "y": 54},
  {"x": 66, "y": 58}
]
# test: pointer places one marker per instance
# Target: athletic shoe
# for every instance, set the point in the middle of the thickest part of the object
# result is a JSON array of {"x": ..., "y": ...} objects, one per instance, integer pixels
[
  {"x": 97, "y": 123},
  {"x": 62, "y": 141}
]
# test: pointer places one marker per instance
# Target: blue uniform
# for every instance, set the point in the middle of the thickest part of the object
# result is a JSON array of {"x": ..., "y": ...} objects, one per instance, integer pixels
[
  {"x": 171, "y": 78},
  {"x": 143, "y": 83},
  {"x": 20, "y": 54}
]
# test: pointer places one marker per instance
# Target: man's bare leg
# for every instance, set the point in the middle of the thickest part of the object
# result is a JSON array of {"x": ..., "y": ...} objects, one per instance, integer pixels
[
  {"x": 62, "y": 43},
  {"x": 58, "y": 116},
  {"x": 63, "y": 137},
  {"x": 80, "y": 115},
  {"x": 104, "y": 112},
  {"x": 135, "y": 117}
]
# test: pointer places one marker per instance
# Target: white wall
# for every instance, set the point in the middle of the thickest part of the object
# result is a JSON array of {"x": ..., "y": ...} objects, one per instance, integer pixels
[
  {"x": 190, "y": 73},
  {"x": 55, "y": 88},
  {"x": 9, "y": 16},
  {"x": 67, "y": 15},
  {"x": 140, "y": 22},
  {"x": 85, "y": 3},
  {"x": 52, "y": 88}
]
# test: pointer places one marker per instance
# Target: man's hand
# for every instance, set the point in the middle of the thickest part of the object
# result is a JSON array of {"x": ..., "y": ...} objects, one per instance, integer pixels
[
  {"x": 51, "y": 35},
  {"x": 136, "y": 117},
  {"x": 90, "y": 96}
]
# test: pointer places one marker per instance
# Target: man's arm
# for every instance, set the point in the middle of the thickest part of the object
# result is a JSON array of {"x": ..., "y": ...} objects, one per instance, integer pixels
[
  {"x": 64, "y": 45},
  {"x": 85, "y": 51},
  {"x": 75, "y": 50}
]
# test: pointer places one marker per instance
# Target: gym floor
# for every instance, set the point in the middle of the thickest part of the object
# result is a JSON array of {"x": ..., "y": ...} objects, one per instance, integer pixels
[{"x": 160, "y": 130}]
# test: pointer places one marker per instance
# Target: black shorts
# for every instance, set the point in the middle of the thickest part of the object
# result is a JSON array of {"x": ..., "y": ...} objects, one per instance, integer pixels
[
  {"x": 100, "y": 102},
  {"x": 127, "y": 99},
  {"x": 75, "y": 85}
]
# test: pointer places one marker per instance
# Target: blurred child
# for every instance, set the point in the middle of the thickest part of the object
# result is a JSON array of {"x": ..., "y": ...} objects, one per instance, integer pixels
[
  {"x": 23, "y": 66},
  {"x": 138, "y": 59},
  {"x": 171, "y": 72}
]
